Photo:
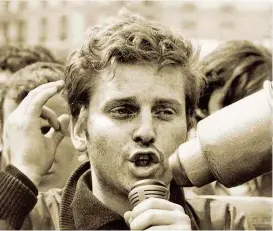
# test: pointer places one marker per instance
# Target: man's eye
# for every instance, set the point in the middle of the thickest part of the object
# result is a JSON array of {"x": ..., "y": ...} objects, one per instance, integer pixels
[
  {"x": 165, "y": 113},
  {"x": 122, "y": 112}
]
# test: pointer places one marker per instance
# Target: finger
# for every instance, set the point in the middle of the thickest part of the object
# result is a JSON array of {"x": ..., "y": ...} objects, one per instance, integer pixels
[
  {"x": 51, "y": 116},
  {"x": 155, "y": 203},
  {"x": 32, "y": 94},
  {"x": 127, "y": 216},
  {"x": 57, "y": 136},
  {"x": 156, "y": 217},
  {"x": 82, "y": 157},
  {"x": 161, "y": 227},
  {"x": 35, "y": 107}
]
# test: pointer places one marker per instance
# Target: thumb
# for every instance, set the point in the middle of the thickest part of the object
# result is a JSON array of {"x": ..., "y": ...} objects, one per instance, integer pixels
[
  {"x": 64, "y": 123},
  {"x": 57, "y": 136},
  {"x": 127, "y": 217}
]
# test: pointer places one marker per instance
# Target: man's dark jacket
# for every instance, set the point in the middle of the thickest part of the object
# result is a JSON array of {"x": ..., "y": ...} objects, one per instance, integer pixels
[{"x": 75, "y": 206}]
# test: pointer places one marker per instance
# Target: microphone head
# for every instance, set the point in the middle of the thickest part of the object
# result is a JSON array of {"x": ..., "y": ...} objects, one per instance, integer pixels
[{"x": 147, "y": 188}]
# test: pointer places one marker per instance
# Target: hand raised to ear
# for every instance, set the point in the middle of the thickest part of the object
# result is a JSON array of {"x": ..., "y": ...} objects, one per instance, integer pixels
[{"x": 25, "y": 146}]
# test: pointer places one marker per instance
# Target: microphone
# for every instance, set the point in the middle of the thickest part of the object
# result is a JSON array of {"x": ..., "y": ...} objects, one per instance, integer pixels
[{"x": 148, "y": 188}]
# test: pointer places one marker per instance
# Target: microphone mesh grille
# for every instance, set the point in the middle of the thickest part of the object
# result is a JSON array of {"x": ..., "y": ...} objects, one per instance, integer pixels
[{"x": 142, "y": 191}]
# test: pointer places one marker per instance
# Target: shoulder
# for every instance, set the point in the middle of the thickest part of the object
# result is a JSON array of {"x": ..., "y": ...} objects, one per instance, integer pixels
[
  {"x": 213, "y": 214},
  {"x": 55, "y": 194},
  {"x": 45, "y": 214}
]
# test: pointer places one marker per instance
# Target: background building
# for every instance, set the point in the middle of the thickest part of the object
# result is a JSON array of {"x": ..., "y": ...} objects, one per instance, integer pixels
[{"x": 60, "y": 25}]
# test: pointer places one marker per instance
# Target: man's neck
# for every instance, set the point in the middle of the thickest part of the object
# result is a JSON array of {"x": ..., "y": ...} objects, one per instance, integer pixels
[{"x": 114, "y": 200}]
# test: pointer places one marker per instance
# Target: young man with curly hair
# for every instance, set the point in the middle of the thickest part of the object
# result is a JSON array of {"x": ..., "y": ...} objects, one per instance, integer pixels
[{"x": 132, "y": 90}]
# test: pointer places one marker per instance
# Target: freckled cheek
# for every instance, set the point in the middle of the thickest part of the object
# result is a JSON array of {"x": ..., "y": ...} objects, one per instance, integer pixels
[
  {"x": 179, "y": 137},
  {"x": 181, "y": 133},
  {"x": 106, "y": 136},
  {"x": 171, "y": 138}
]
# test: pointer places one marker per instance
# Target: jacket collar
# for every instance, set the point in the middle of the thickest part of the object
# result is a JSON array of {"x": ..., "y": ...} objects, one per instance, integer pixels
[
  {"x": 80, "y": 209},
  {"x": 88, "y": 212}
]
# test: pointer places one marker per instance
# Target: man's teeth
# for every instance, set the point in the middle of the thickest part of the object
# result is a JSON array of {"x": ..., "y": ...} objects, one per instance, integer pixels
[
  {"x": 143, "y": 157},
  {"x": 143, "y": 160}
]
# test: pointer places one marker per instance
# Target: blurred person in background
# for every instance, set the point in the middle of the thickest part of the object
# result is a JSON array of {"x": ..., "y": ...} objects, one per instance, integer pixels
[
  {"x": 233, "y": 71},
  {"x": 14, "y": 58},
  {"x": 15, "y": 90}
]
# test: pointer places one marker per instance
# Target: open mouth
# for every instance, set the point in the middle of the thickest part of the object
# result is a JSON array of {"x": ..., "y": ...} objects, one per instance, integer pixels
[
  {"x": 145, "y": 163},
  {"x": 144, "y": 159}
]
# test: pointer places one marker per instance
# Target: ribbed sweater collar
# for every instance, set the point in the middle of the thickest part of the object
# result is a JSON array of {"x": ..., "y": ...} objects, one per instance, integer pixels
[
  {"x": 80, "y": 209},
  {"x": 66, "y": 213}
]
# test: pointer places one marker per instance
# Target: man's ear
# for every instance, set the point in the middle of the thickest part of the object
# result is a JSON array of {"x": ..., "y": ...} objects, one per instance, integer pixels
[
  {"x": 78, "y": 131},
  {"x": 191, "y": 128}
]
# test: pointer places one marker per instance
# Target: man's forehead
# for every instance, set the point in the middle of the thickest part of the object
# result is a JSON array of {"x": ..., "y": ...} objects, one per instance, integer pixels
[
  {"x": 141, "y": 81},
  {"x": 141, "y": 74}
]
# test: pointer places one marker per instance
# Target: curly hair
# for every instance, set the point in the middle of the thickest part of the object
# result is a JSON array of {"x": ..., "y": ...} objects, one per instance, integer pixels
[
  {"x": 26, "y": 79},
  {"x": 129, "y": 39},
  {"x": 14, "y": 58},
  {"x": 239, "y": 68}
]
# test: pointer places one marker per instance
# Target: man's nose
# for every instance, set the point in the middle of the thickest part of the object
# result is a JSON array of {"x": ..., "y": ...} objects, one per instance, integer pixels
[{"x": 145, "y": 132}]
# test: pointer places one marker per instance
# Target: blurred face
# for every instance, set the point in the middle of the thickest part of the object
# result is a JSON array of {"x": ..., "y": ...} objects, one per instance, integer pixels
[
  {"x": 4, "y": 75},
  {"x": 65, "y": 159},
  {"x": 136, "y": 120}
]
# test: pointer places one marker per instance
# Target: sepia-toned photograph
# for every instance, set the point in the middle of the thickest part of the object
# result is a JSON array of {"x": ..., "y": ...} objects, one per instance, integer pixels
[{"x": 136, "y": 115}]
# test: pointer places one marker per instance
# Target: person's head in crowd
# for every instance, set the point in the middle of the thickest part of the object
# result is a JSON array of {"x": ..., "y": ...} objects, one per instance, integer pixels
[
  {"x": 132, "y": 88},
  {"x": 46, "y": 54},
  {"x": 13, "y": 58},
  {"x": 234, "y": 70},
  {"x": 16, "y": 89}
]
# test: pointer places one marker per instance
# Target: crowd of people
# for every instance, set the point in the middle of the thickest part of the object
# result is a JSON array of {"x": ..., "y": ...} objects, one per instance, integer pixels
[{"x": 76, "y": 136}]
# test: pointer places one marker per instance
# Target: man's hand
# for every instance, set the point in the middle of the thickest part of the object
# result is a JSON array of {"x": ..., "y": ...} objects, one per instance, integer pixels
[
  {"x": 25, "y": 146},
  {"x": 157, "y": 214}
]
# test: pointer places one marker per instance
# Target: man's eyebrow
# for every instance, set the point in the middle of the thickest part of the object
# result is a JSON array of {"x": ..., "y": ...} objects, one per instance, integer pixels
[
  {"x": 116, "y": 101},
  {"x": 168, "y": 101}
]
